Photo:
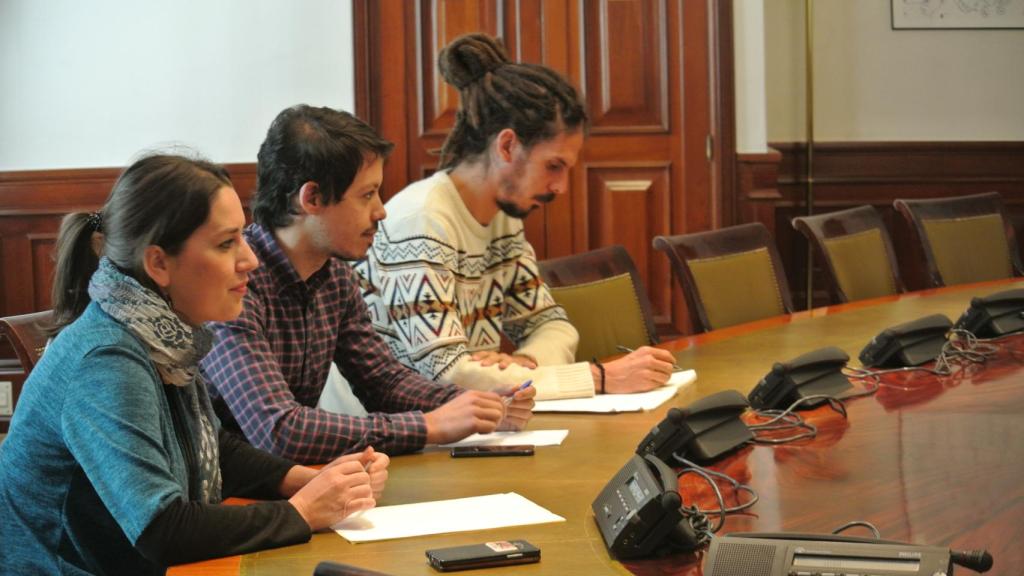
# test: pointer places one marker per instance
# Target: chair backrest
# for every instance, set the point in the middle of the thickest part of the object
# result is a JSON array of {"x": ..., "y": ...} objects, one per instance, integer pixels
[
  {"x": 857, "y": 251},
  {"x": 729, "y": 276},
  {"x": 28, "y": 334},
  {"x": 964, "y": 238},
  {"x": 605, "y": 300}
]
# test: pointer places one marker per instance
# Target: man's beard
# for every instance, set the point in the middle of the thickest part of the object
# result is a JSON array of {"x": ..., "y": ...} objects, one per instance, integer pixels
[{"x": 511, "y": 190}]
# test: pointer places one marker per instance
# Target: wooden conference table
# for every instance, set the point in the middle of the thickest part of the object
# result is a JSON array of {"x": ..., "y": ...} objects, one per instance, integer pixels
[{"x": 934, "y": 461}]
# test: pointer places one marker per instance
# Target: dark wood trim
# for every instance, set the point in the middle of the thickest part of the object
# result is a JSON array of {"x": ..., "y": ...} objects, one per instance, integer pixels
[
  {"x": 723, "y": 102},
  {"x": 904, "y": 163},
  {"x": 58, "y": 192},
  {"x": 361, "y": 57}
]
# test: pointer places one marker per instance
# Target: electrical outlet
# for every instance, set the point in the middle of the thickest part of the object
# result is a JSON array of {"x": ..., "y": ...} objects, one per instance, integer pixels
[{"x": 6, "y": 398}]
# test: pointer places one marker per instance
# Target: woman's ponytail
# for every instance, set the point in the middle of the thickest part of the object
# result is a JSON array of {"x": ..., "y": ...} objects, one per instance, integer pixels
[{"x": 78, "y": 244}]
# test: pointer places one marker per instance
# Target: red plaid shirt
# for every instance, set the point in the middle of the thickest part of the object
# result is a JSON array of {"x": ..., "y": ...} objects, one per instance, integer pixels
[{"x": 267, "y": 368}]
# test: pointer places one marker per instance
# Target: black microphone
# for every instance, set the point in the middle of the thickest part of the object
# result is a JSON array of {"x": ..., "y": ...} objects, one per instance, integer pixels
[
  {"x": 335, "y": 569},
  {"x": 977, "y": 560}
]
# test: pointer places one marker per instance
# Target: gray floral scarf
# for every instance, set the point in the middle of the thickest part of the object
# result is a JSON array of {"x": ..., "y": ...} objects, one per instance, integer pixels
[{"x": 175, "y": 348}]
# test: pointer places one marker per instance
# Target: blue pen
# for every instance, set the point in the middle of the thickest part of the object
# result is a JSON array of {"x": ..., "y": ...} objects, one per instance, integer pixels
[{"x": 523, "y": 386}]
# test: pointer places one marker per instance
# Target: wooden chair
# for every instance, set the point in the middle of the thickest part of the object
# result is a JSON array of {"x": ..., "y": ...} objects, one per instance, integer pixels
[
  {"x": 857, "y": 250},
  {"x": 729, "y": 276},
  {"x": 964, "y": 238},
  {"x": 27, "y": 333},
  {"x": 605, "y": 300}
]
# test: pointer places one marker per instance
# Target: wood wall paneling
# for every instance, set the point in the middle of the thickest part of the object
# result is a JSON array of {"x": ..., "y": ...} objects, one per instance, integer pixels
[
  {"x": 626, "y": 76},
  {"x": 629, "y": 205},
  {"x": 440, "y": 22}
]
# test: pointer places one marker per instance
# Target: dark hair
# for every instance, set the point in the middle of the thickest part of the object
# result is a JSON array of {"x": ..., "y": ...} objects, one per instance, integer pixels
[
  {"x": 306, "y": 144},
  {"x": 159, "y": 200},
  {"x": 534, "y": 101}
]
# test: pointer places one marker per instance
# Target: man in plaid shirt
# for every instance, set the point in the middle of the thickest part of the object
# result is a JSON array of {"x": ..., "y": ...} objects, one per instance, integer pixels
[{"x": 317, "y": 203}]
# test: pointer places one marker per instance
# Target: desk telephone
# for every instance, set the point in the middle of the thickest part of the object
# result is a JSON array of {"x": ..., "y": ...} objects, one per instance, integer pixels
[
  {"x": 639, "y": 512},
  {"x": 702, "y": 431},
  {"x": 909, "y": 344},
  {"x": 994, "y": 315},
  {"x": 816, "y": 372},
  {"x": 783, "y": 554}
]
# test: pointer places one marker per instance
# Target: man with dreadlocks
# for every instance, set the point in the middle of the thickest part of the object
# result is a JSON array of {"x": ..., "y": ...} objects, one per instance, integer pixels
[{"x": 450, "y": 269}]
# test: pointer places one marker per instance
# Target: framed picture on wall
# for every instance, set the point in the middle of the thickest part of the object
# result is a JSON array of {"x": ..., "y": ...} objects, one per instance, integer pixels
[{"x": 957, "y": 14}]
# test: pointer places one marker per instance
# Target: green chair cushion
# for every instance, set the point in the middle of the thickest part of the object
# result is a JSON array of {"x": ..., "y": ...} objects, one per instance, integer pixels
[
  {"x": 606, "y": 313},
  {"x": 861, "y": 264},
  {"x": 970, "y": 249},
  {"x": 737, "y": 288}
]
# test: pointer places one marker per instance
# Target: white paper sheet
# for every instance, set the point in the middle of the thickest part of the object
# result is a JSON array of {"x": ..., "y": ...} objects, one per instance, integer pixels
[
  {"x": 442, "y": 516},
  {"x": 534, "y": 437},
  {"x": 621, "y": 402}
]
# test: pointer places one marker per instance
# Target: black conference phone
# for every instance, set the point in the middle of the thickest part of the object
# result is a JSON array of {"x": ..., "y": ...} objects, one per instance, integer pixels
[
  {"x": 702, "y": 431},
  {"x": 640, "y": 513},
  {"x": 818, "y": 372},
  {"x": 994, "y": 315},
  {"x": 909, "y": 344},
  {"x": 785, "y": 554}
]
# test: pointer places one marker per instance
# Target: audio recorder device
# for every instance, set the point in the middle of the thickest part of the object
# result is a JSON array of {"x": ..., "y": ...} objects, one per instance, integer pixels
[{"x": 829, "y": 554}]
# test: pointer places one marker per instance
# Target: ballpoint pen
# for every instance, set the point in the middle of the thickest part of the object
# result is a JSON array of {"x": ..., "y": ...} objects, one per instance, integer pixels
[
  {"x": 628, "y": 350},
  {"x": 523, "y": 386}
]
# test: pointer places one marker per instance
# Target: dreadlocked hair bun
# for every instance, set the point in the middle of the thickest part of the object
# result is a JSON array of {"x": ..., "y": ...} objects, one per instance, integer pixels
[{"x": 469, "y": 58}]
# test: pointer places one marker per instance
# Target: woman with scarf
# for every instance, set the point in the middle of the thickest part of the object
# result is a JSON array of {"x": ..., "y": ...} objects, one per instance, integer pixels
[{"x": 115, "y": 462}]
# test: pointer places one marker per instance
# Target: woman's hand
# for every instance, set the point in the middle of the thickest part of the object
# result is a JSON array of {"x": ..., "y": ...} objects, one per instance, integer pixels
[
  {"x": 335, "y": 493},
  {"x": 375, "y": 463}
]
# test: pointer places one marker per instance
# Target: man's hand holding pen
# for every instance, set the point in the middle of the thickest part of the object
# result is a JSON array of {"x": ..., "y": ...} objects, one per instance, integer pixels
[
  {"x": 518, "y": 406},
  {"x": 643, "y": 369}
]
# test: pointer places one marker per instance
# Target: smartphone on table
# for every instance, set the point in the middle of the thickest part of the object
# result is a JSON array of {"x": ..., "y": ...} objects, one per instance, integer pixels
[
  {"x": 488, "y": 554},
  {"x": 481, "y": 451}
]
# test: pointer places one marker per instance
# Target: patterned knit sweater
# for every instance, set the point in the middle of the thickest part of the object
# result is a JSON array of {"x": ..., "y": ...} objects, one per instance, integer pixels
[{"x": 440, "y": 286}]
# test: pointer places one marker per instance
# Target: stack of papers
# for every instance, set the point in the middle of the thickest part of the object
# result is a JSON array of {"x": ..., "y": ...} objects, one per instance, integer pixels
[
  {"x": 621, "y": 402},
  {"x": 459, "y": 515}
]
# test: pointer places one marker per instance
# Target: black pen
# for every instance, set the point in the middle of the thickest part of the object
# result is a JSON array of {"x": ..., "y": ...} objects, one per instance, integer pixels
[{"x": 628, "y": 350}]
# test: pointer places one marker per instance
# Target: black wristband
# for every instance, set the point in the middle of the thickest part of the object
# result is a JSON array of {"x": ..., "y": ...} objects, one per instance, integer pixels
[{"x": 600, "y": 368}]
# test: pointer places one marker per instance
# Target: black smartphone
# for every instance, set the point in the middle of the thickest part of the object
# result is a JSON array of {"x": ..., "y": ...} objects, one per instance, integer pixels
[
  {"x": 477, "y": 451},
  {"x": 500, "y": 553}
]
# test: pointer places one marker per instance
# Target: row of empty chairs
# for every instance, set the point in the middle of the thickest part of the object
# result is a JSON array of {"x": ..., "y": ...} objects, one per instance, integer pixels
[{"x": 734, "y": 275}]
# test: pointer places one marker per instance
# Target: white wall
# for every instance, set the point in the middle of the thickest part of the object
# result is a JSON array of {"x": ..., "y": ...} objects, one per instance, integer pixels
[
  {"x": 91, "y": 83},
  {"x": 873, "y": 83},
  {"x": 748, "y": 40}
]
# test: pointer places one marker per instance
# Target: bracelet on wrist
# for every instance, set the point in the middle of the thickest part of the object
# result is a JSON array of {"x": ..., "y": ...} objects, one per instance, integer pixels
[{"x": 600, "y": 369}]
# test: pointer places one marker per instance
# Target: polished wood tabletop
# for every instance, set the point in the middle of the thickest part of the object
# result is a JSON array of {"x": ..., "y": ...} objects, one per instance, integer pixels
[{"x": 930, "y": 460}]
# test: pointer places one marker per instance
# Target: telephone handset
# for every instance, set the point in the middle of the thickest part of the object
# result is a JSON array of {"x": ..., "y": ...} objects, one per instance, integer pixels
[
  {"x": 639, "y": 512},
  {"x": 818, "y": 372},
  {"x": 702, "y": 431},
  {"x": 909, "y": 344},
  {"x": 994, "y": 315}
]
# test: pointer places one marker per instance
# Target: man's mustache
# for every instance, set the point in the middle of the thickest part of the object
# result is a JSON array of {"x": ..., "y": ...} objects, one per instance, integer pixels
[{"x": 545, "y": 198}]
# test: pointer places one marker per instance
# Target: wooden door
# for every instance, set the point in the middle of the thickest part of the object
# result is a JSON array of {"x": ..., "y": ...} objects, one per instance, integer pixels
[{"x": 644, "y": 69}]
